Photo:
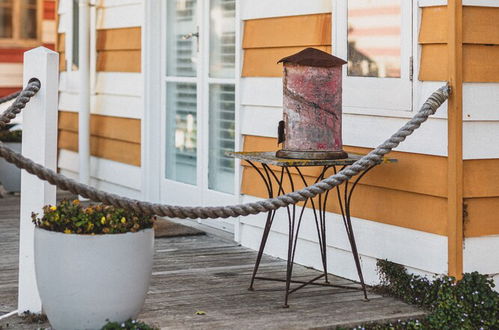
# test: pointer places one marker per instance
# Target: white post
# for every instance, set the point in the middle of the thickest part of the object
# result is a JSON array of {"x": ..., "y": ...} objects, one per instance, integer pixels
[
  {"x": 84, "y": 99},
  {"x": 40, "y": 145}
]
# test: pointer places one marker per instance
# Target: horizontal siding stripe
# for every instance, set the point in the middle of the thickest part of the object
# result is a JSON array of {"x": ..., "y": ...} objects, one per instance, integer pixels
[
  {"x": 428, "y": 213},
  {"x": 433, "y": 25},
  {"x": 119, "y": 61},
  {"x": 4, "y": 91},
  {"x": 119, "y": 39},
  {"x": 410, "y": 173},
  {"x": 116, "y": 128},
  {"x": 292, "y": 31},
  {"x": 481, "y": 216},
  {"x": 262, "y": 62},
  {"x": 478, "y": 63},
  {"x": 120, "y": 151},
  {"x": 16, "y": 55},
  {"x": 479, "y": 25}
]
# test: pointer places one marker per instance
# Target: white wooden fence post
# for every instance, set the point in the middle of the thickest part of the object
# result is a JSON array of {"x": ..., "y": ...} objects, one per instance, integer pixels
[{"x": 40, "y": 145}]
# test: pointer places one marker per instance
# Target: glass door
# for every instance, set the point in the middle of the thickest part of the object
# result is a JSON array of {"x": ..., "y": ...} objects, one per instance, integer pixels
[{"x": 199, "y": 104}]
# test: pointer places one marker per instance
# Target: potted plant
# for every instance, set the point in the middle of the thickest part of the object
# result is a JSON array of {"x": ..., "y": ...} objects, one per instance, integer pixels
[
  {"x": 10, "y": 175},
  {"x": 93, "y": 264}
]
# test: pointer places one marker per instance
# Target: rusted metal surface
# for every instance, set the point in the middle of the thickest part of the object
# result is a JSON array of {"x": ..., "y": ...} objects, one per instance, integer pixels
[
  {"x": 312, "y": 106},
  {"x": 269, "y": 157}
]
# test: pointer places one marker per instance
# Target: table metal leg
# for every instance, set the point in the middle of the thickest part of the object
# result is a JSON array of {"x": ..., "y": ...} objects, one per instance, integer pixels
[
  {"x": 270, "y": 215},
  {"x": 344, "y": 201}
]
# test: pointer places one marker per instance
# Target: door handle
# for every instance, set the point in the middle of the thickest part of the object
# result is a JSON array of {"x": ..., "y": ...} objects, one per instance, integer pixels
[{"x": 190, "y": 35}]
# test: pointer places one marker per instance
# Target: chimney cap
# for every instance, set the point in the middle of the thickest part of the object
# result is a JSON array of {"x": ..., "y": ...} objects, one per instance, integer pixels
[{"x": 313, "y": 57}]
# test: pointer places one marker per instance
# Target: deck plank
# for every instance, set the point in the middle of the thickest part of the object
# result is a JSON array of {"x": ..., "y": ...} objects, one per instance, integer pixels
[{"x": 211, "y": 274}]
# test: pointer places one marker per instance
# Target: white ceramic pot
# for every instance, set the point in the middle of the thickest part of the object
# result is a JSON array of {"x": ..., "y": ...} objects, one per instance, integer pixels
[
  {"x": 86, "y": 280},
  {"x": 10, "y": 175}
]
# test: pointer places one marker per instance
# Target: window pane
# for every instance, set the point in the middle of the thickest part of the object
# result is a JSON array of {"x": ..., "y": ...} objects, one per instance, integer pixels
[
  {"x": 28, "y": 26},
  {"x": 182, "y": 38},
  {"x": 374, "y": 41},
  {"x": 181, "y": 132},
  {"x": 222, "y": 38},
  {"x": 6, "y": 19},
  {"x": 222, "y": 137}
]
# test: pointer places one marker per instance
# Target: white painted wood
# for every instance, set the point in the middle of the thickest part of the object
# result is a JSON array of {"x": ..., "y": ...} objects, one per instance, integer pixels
[
  {"x": 84, "y": 93},
  {"x": 421, "y": 250},
  {"x": 251, "y": 9},
  {"x": 119, "y": 83},
  {"x": 431, "y": 3},
  {"x": 261, "y": 91},
  {"x": 370, "y": 131},
  {"x": 152, "y": 124},
  {"x": 106, "y": 105},
  {"x": 267, "y": 118},
  {"x": 480, "y": 140},
  {"x": 103, "y": 169},
  {"x": 120, "y": 16},
  {"x": 40, "y": 145},
  {"x": 12, "y": 74},
  {"x": 106, "y": 186},
  {"x": 481, "y": 101},
  {"x": 64, "y": 7},
  {"x": 481, "y": 3},
  {"x": 478, "y": 254},
  {"x": 118, "y": 3}
]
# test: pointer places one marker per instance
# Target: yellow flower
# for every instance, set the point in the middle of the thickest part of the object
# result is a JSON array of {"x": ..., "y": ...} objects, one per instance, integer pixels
[
  {"x": 67, "y": 231},
  {"x": 123, "y": 220},
  {"x": 90, "y": 226},
  {"x": 53, "y": 208},
  {"x": 76, "y": 202},
  {"x": 103, "y": 220}
]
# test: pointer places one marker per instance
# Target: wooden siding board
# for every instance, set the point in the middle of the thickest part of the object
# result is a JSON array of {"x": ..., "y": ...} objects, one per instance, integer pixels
[
  {"x": 262, "y": 62},
  {"x": 481, "y": 63},
  {"x": 481, "y": 25},
  {"x": 481, "y": 217},
  {"x": 120, "y": 151},
  {"x": 291, "y": 31},
  {"x": 433, "y": 25},
  {"x": 481, "y": 178},
  {"x": 377, "y": 204},
  {"x": 410, "y": 173},
  {"x": 434, "y": 62},
  {"x": 116, "y": 128},
  {"x": 119, "y": 61},
  {"x": 119, "y": 39}
]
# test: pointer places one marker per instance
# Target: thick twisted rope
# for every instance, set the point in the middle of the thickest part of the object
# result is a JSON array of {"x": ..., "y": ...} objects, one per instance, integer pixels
[
  {"x": 22, "y": 98},
  {"x": 373, "y": 158}
]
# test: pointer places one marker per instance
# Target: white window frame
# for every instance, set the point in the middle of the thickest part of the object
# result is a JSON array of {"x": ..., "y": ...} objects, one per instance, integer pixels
[
  {"x": 154, "y": 117},
  {"x": 379, "y": 96}
]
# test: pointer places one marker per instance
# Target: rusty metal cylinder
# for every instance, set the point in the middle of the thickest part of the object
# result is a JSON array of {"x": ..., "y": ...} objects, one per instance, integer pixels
[{"x": 311, "y": 128}]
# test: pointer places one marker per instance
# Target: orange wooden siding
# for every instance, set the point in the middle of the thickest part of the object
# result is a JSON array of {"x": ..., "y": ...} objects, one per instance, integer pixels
[
  {"x": 119, "y": 50},
  {"x": 268, "y": 40},
  {"x": 111, "y": 138},
  {"x": 61, "y": 49},
  {"x": 480, "y": 44}
]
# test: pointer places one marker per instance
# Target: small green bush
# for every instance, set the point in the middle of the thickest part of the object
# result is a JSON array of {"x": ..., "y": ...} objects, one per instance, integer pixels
[
  {"x": 71, "y": 217},
  {"x": 128, "y": 325},
  {"x": 11, "y": 136},
  {"x": 470, "y": 303}
]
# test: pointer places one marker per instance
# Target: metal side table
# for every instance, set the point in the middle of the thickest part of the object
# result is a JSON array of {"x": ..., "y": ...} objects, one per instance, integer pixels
[{"x": 344, "y": 194}]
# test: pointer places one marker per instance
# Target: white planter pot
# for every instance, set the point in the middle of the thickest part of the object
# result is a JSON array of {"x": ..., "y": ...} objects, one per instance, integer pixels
[
  {"x": 85, "y": 280},
  {"x": 10, "y": 175}
]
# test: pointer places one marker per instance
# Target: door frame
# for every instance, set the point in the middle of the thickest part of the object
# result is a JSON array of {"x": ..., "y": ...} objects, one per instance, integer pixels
[{"x": 152, "y": 117}]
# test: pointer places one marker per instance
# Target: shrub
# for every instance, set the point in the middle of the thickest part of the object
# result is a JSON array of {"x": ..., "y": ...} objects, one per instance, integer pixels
[
  {"x": 11, "y": 136},
  {"x": 71, "y": 217},
  {"x": 470, "y": 303},
  {"x": 128, "y": 325}
]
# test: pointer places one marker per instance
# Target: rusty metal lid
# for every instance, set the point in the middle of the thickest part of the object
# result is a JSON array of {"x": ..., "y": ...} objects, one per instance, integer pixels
[{"x": 313, "y": 57}]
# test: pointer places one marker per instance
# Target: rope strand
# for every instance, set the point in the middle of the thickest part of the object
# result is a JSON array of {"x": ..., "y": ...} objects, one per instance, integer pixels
[{"x": 372, "y": 158}]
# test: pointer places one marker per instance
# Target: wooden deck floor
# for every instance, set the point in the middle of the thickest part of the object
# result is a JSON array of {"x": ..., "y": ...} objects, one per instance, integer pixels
[{"x": 211, "y": 274}]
